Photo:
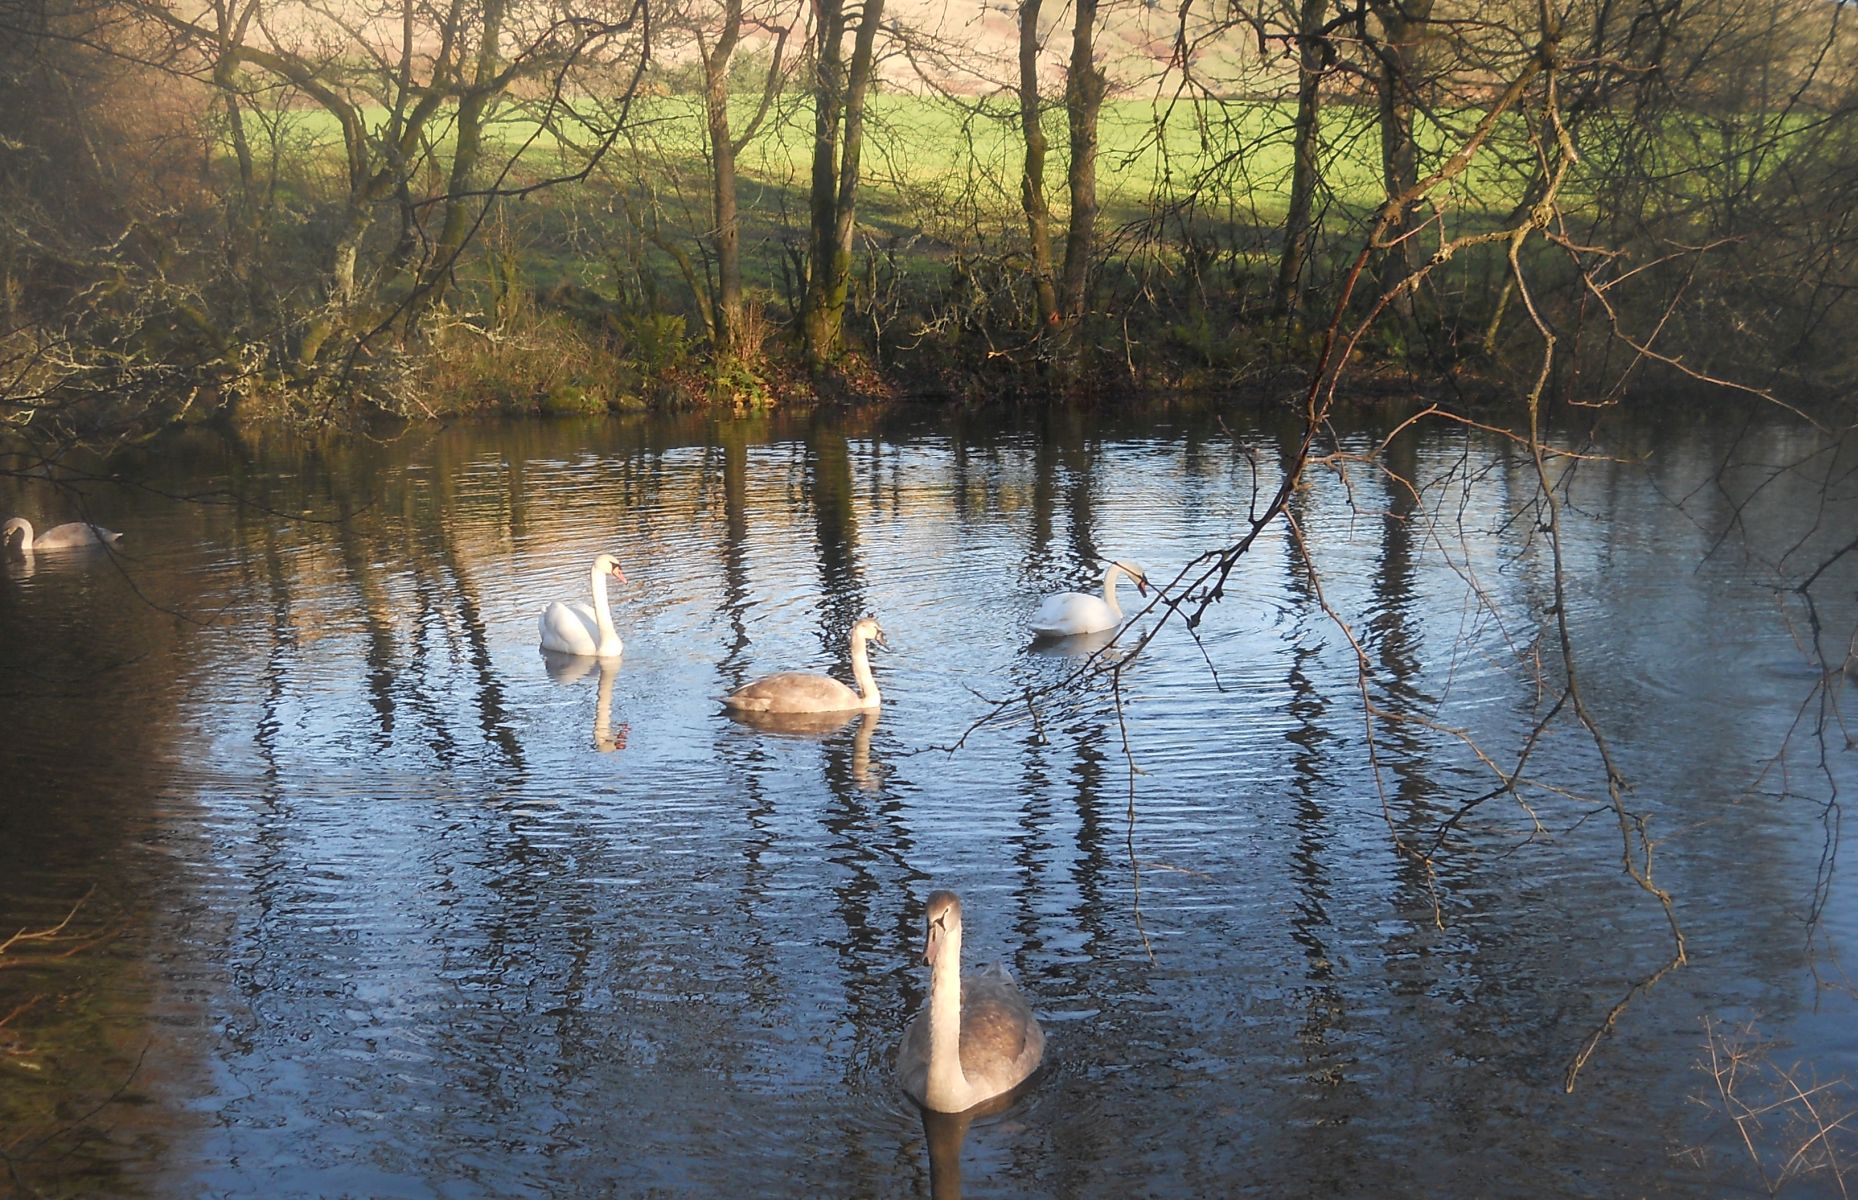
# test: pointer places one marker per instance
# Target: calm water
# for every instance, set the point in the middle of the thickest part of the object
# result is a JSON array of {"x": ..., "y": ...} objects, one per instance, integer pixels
[{"x": 386, "y": 904}]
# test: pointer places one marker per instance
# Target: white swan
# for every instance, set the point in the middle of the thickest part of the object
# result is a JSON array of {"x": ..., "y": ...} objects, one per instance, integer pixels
[
  {"x": 585, "y": 629},
  {"x": 17, "y": 534},
  {"x": 976, "y": 1038},
  {"x": 1070, "y": 613},
  {"x": 805, "y": 692}
]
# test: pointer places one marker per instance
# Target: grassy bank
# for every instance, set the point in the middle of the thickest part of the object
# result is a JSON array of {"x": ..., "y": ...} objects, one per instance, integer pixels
[{"x": 583, "y": 285}]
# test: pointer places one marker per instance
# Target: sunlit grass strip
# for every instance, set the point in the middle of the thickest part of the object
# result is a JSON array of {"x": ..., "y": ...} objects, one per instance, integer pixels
[{"x": 1150, "y": 151}]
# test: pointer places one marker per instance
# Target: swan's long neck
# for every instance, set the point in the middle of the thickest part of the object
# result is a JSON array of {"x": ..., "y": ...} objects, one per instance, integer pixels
[
  {"x": 947, "y": 1084},
  {"x": 22, "y": 527},
  {"x": 1110, "y": 576},
  {"x": 861, "y": 672},
  {"x": 603, "y": 613}
]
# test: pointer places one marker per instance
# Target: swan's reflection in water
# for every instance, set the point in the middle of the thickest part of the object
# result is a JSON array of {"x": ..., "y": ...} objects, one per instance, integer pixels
[
  {"x": 567, "y": 669},
  {"x": 23, "y": 563},
  {"x": 946, "y": 1132},
  {"x": 866, "y": 776},
  {"x": 1078, "y": 645}
]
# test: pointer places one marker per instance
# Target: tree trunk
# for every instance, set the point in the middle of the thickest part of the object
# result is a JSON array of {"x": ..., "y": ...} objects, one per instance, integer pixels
[
  {"x": 819, "y": 322},
  {"x": 1396, "y": 84},
  {"x": 726, "y": 234},
  {"x": 1032, "y": 182},
  {"x": 342, "y": 262},
  {"x": 1299, "y": 225},
  {"x": 462, "y": 214},
  {"x": 726, "y": 240},
  {"x": 1085, "y": 86},
  {"x": 839, "y": 98}
]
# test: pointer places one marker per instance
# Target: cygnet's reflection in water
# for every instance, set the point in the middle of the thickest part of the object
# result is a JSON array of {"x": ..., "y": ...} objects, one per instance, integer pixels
[
  {"x": 865, "y": 775},
  {"x": 946, "y": 1133},
  {"x": 567, "y": 669}
]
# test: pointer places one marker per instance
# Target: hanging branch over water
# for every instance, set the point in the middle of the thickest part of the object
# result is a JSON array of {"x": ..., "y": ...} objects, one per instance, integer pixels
[{"x": 1203, "y": 581}]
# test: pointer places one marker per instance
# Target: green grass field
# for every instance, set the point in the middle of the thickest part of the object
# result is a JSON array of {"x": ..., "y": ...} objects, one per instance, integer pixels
[
  {"x": 940, "y": 184},
  {"x": 935, "y": 152}
]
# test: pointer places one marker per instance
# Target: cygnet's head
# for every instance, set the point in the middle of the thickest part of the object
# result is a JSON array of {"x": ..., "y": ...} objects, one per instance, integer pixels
[
  {"x": 943, "y": 917},
  {"x": 868, "y": 628}
]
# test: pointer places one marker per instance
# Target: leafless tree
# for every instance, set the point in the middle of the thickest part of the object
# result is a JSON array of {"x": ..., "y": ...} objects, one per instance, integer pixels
[
  {"x": 717, "y": 40},
  {"x": 841, "y": 85}
]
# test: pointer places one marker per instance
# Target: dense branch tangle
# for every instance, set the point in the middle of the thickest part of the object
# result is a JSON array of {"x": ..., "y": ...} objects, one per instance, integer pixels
[
  {"x": 1201, "y": 583},
  {"x": 402, "y": 85}
]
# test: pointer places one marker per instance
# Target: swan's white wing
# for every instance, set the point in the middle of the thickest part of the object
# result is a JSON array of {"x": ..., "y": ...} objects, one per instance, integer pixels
[
  {"x": 570, "y": 628},
  {"x": 1070, "y": 613},
  {"x": 73, "y": 534}
]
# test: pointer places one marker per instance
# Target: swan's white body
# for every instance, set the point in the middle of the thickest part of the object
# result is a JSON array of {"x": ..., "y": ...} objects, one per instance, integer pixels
[
  {"x": 976, "y": 1039},
  {"x": 72, "y": 535},
  {"x": 806, "y": 692},
  {"x": 1071, "y": 613},
  {"x": 585, "y": 629}
]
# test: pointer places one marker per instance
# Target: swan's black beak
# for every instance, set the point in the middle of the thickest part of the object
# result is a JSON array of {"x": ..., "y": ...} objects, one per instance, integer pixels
[{"x": 933, "y": 944}]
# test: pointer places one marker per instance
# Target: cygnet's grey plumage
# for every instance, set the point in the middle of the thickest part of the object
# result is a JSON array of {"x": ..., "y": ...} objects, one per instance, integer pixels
[
  {"x": 976, "y": 1038},
  {"x": 806, "y": 692}
]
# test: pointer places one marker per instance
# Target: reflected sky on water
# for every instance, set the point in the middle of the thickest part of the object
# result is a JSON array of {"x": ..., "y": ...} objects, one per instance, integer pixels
[{"x": 392, "y": 904}]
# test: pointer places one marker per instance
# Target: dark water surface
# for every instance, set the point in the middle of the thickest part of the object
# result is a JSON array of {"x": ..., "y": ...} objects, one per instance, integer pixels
[{"x": 385, "y": 904}]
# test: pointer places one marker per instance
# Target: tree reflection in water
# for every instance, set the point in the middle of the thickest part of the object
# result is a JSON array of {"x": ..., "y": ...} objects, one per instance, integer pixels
[{"x": 387, "y": 919}]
